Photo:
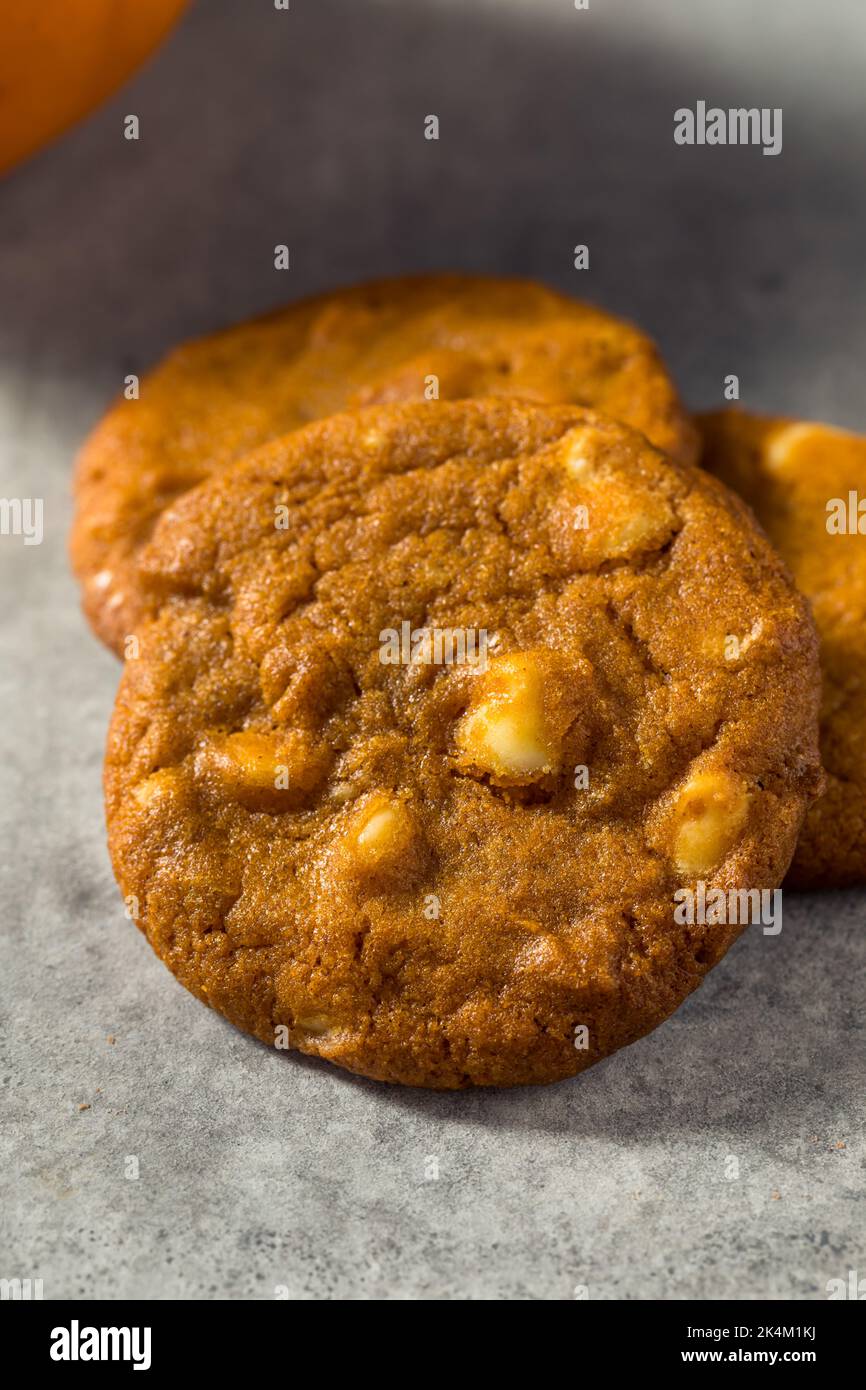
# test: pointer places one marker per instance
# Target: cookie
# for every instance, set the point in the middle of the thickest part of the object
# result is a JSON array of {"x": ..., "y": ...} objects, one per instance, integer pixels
[
  {"x": 436, "y": 716},
  {"x": 807, "y": 485},
  {"x": 213, "y": 400}
]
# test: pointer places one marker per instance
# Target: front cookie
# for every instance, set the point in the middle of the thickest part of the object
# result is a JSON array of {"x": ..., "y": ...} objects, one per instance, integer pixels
[
  {"x": 807, "y": 485},
  {"x": 437, "y": 723}
]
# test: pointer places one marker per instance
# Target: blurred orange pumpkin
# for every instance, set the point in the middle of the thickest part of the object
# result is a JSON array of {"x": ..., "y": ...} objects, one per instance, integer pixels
[{"x": 60, "y": 58}]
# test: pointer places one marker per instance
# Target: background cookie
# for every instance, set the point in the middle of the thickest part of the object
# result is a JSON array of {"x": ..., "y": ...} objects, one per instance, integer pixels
[
  {"x": 213, "y": 400},
  {"x": 791, "y": 473},
  {"x": 436, "y": 873}
]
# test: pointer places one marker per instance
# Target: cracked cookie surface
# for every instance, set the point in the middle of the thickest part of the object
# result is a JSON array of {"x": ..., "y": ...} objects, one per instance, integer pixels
[
  {"x": 439, "y": 872},
  {"x": 790, "y": 472},
  {"x": 215, "y": 399}
]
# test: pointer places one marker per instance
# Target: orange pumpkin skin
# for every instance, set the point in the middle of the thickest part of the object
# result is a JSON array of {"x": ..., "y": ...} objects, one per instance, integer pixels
[{"x": 60, "y": 58}]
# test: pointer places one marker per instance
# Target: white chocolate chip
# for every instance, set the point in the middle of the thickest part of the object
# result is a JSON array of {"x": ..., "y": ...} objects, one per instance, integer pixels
[
  {"x": 315, "y": 1023},
  {"x": 710, "y": 812},
  {"x": 582, "y": 449},
  {"x": 157, "y": 786},
  {"x": 379, "y": 829},
  {"x": 786, "y": 443},
  {"x": 262, "y": 769},
  {"x": 629, "y": 530},
  {"x": 382, "y": 833},
  {"x": 603, "y": 514},
  {"x": 504, "y": 732}
]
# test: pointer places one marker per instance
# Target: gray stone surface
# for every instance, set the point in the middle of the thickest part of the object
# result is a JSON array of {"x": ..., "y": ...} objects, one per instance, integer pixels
[{"x": 306, "y": 128}]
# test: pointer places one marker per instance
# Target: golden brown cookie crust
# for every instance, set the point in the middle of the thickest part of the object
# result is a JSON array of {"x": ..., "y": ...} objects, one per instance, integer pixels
[
  {"x": 789, "y": 471},
  {"x": 214, "y": 399},
  {"x": 400, "y": 865}
]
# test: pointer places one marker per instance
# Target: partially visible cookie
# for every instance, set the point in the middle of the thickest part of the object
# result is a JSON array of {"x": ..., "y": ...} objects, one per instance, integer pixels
[
  {"x": 438, "y": 713},
  {"x": 807, "y": 485},
  {"x": 213, "y": 400}
]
